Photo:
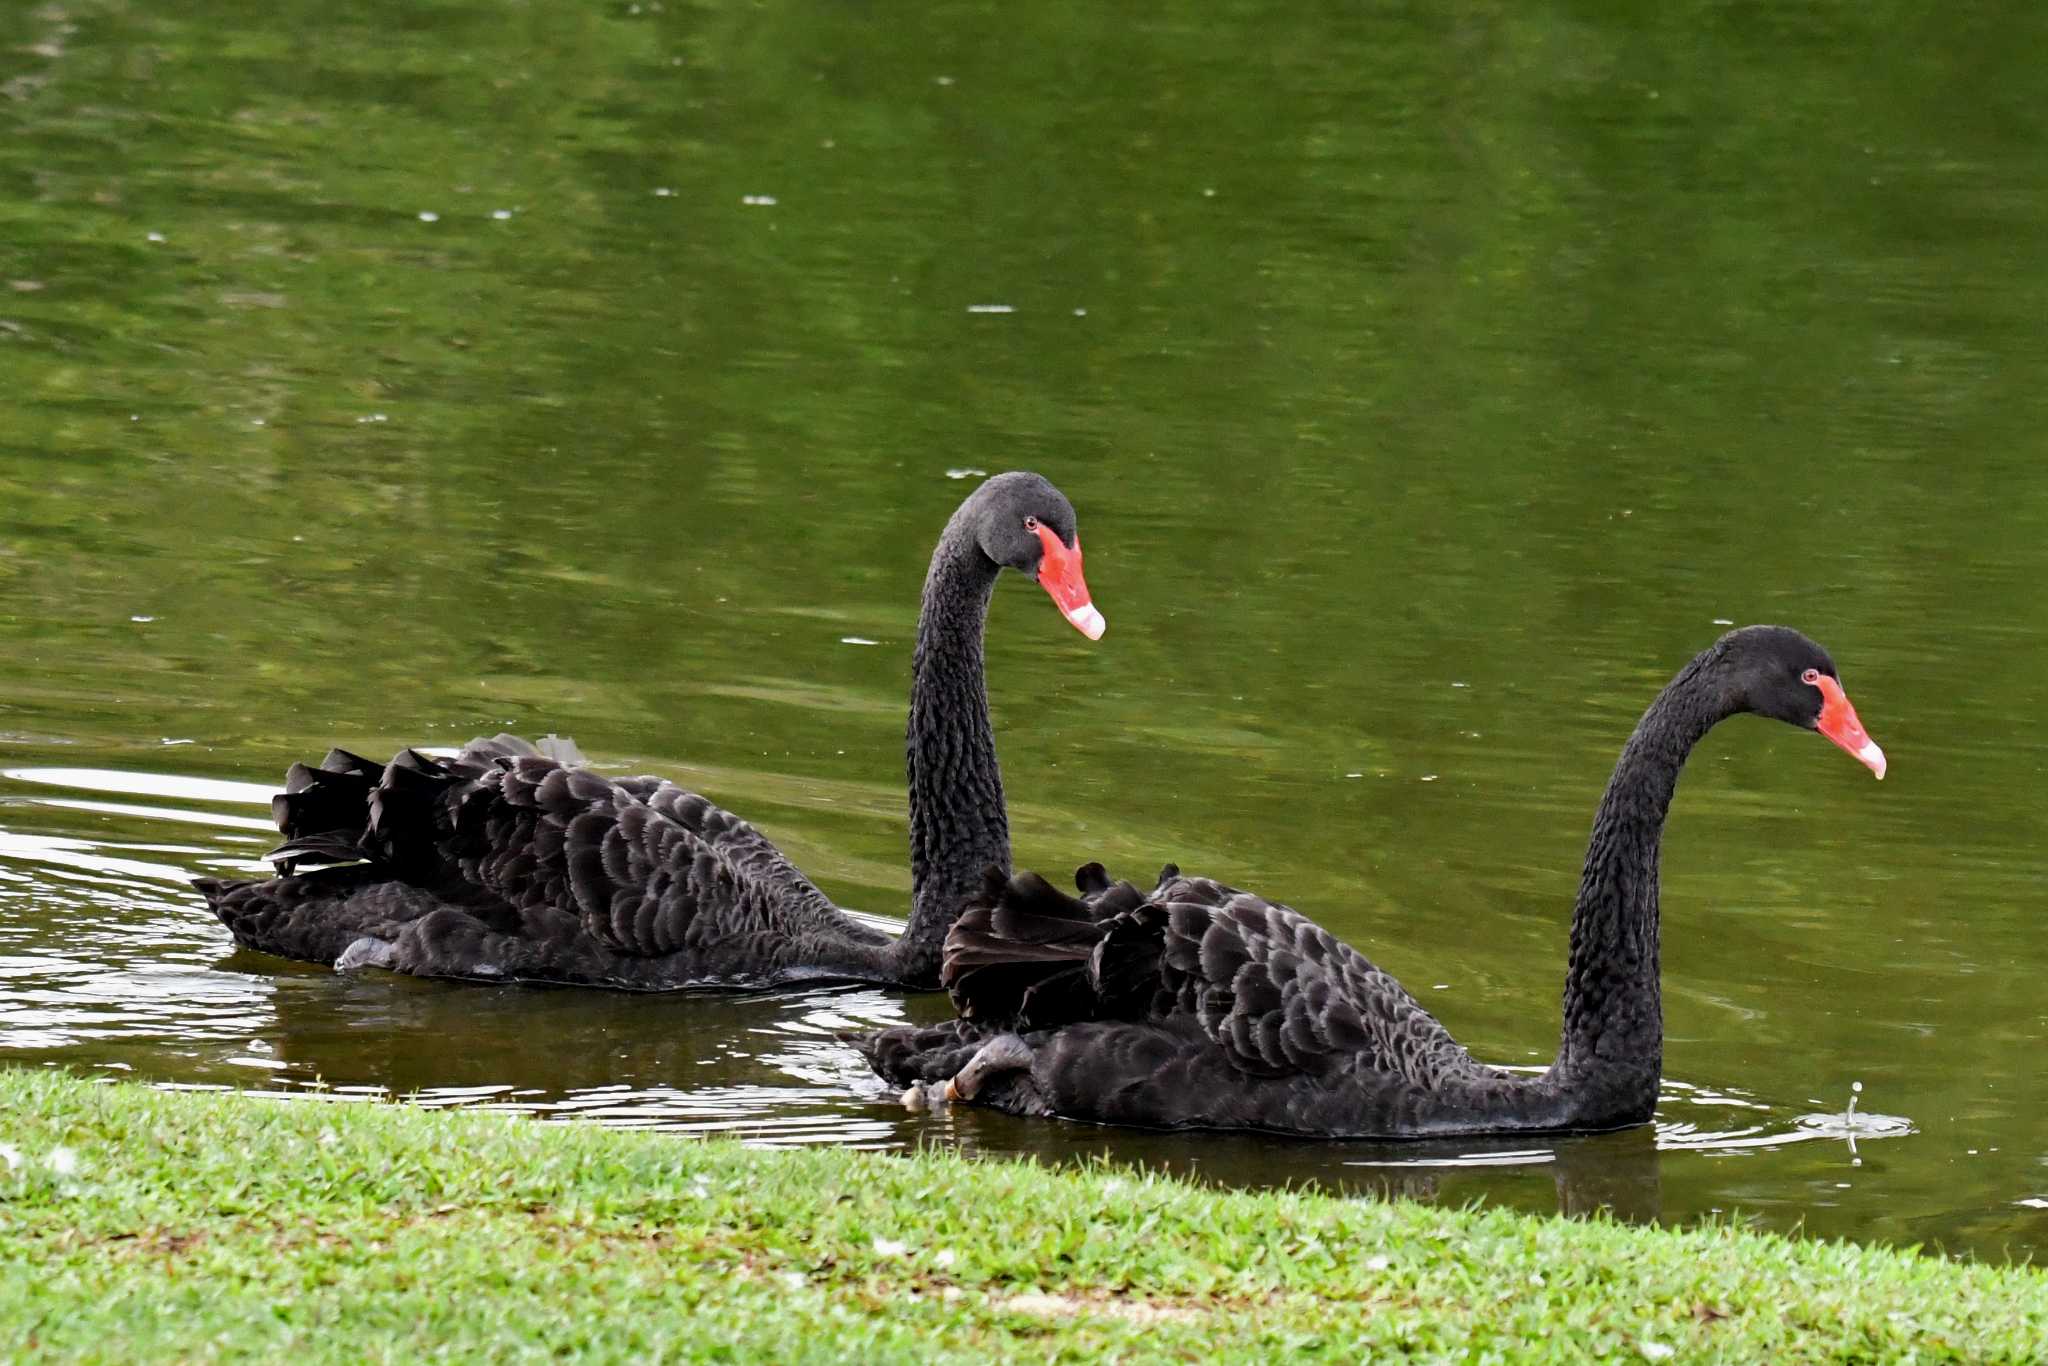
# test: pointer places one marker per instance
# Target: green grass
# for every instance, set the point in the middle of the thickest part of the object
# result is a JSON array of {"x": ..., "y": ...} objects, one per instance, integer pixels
[{"x": 213, "y": 1226}]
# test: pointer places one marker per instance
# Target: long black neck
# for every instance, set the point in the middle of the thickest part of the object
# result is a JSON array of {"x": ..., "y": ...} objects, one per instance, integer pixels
[
  {"x": 1612, "y": 1052},
  {"x": 958, "y": 823}
]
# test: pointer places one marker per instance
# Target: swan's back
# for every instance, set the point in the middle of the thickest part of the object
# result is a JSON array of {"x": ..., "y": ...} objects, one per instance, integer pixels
[
  {"x": 506, "y": 862},
  {"x": 1196, "y": 1005}
]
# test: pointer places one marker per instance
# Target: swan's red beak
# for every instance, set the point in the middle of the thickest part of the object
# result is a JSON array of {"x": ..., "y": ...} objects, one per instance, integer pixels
[
  {"x": 1059, "y": 573},
  {"x": 1838, "y": 722}
]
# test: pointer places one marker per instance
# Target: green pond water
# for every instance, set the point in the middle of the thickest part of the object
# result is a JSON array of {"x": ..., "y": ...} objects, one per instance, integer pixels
[{"x": 1430, "y": 385}]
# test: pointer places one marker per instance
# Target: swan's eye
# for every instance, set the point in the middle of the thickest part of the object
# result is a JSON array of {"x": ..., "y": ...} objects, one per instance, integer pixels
[
  {"x": 1031, "y": 524},
  {"x": 1810, "y": 677}
]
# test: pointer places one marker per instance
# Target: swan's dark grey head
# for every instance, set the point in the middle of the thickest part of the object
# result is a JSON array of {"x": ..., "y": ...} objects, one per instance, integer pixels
[
  {"x": 1022, "y": 522},
  {"x": 1778, "y": 672}
]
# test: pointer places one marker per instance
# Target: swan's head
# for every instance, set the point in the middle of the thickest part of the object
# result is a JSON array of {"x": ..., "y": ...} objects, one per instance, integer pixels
[
  {"x": 1778, "y": 672},
  {"x": 1023, "y": 522}
]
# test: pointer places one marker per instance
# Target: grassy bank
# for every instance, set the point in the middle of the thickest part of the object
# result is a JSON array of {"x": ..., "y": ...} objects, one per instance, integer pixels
[{"x": 137, "y": 1224}]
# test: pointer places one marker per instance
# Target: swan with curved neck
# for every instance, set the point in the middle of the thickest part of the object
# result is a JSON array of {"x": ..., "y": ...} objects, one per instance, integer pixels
[
  {"x": 1200, "y": 1006},
  {"x": 514, "y": 862}
]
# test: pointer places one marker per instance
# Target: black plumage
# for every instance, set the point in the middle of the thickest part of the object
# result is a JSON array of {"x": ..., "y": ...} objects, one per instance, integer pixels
[
  {"x": 1197, "y": 1005},
  {"x": 515, "y": 862}
]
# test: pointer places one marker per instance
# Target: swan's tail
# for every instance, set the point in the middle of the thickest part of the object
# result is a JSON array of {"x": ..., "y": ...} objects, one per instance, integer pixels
[
  {"x": 1025, "y": 955},
  {"x": 369, "y": 824}
]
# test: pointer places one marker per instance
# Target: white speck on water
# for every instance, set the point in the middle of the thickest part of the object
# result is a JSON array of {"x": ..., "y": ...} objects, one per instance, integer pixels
[
  {"x": 167, "y": 740},
  {"x": 298, "y": 538},
  {"x": 1460, "y": 685},
  {"x": 63, "y": 1161},
  {"x": 1354, "y": 775},
  {"x": 663, "y": 192},
  {"x": 255, "y": 422},
  {"x": 990, "y": 308},
  {"x": 154, "y": 236},
  {"x": 429, "y": 216},
  {"x": 135, "y": 417},
  {"x": 501, "y": 214},
  {"x": 942, "y": 80},
  {"x": 889, "y": 1247},
  {"x": 1208, "y": 192},
  {"x": 144, "y": 620},
  {"x": 857, "y": 640},
  {"x": 2034, "y": 1202},
  {"x": 759, "y": 201},
  {"x": 963, "y": 472},
  {"x": 1429, "y": 777},
  {"x": 1724, "y": 621},
  {"x": 373, "y": 417}
]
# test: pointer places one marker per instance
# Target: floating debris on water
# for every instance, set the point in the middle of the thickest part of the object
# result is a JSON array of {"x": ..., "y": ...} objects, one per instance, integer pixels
[
  {"x": 759, "y": 201},
  {"x": 963, "y": 472},
  {"x": 990, "y": 308},
  {"x": 429, "y": 216},
  {"x": 857, "y": 640}
]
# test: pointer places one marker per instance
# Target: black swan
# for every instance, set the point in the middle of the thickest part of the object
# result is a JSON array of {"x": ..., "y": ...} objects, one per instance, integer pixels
[
  {"x": 1198, "y": 1006},
  {"x": 509, "y": 863}
]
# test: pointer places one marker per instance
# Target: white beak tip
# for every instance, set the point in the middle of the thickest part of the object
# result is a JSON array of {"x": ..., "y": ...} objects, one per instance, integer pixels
[
  {"x": 1873, "y": 758},
  {"x": 1087, "y": 620}
]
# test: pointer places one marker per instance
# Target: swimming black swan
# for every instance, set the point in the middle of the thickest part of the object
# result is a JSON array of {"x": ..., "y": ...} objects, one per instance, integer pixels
[
  {"x": 1200, "y": 1006},
  {"x": 507, "y": 863}
]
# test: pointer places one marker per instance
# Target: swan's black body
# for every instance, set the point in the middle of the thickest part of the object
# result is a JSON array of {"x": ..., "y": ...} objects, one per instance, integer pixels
[
  {"x": 1200, "y": 1006},
  {"x": 505, "y": 863}
]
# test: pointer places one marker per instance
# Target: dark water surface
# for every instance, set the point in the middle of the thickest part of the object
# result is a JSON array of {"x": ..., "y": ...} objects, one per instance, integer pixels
[{"x": 1430, "y": 388}]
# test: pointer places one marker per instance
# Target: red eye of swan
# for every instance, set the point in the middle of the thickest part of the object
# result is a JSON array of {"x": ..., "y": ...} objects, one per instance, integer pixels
[
  {"x": 1031, "y": 524},
  {"x": 1811, "y": 677}
]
